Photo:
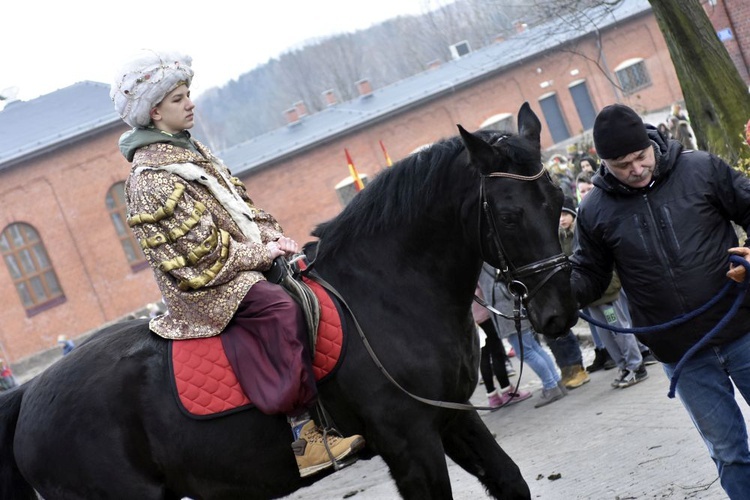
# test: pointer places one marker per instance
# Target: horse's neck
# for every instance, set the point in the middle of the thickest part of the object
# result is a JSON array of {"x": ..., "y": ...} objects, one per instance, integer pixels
[{"x": 444, "y": 269}]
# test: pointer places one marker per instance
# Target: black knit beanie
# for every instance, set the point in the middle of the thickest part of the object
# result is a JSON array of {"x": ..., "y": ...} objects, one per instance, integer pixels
[
  {"x": 569, "y": 206},
  {"x": 619, "y": 131}
]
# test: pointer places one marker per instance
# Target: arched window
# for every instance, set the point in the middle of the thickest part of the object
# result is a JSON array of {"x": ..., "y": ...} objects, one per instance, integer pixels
[
  {"x": 30, "y": 268},
  {"x": 632, "y": 75},
  {"x": 116, "y": 208}
]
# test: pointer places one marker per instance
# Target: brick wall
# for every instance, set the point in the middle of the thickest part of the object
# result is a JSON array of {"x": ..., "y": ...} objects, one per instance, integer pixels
[
  {"x": 62, "y": 195},
  {"x": 733, "y": 15}
]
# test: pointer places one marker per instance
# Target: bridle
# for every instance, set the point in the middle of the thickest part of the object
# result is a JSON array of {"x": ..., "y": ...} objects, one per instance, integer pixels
[{"x": 514, "y": 276}]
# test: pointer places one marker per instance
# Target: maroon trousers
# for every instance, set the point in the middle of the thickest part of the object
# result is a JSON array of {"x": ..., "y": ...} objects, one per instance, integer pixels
[{"x": 266, "y": 345}]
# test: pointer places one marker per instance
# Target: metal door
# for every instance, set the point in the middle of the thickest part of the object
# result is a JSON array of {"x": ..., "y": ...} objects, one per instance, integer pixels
[
  {"x": 554, "y": 117},
  {"x": 582, "y": 99}
]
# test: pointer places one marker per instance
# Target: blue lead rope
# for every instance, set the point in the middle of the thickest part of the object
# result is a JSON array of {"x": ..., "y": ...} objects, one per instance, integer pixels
[{"x": 687, "y": 317}]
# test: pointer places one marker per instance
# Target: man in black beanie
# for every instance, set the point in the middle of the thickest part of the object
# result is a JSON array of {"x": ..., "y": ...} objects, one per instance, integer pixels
[
  {"x": 662, "y": 217},
  {"x": 620, "y": 137}
]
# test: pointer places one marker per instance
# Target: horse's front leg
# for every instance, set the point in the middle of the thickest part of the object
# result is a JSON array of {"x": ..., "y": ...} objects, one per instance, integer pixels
[
  {"x": 470, "y": 444},
  {"x": 416, "y": 459}
]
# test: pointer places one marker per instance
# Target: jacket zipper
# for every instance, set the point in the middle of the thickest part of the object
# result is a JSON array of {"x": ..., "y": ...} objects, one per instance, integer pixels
[{"x": 660, "y": 249}]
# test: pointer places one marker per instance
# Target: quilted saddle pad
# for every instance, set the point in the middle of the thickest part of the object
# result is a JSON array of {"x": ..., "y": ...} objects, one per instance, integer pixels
[{"x": 205, "y": 384}]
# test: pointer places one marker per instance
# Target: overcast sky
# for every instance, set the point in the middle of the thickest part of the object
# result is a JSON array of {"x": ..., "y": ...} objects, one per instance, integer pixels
[{"x": 47, "y": 45}]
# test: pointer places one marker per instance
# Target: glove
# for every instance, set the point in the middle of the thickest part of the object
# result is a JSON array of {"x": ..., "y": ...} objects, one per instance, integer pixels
[{"x": 737, "y": 273}]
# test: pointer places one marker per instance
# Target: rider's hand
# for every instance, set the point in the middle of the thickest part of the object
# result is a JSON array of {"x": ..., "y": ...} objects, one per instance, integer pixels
[
  {"x": 737, "y": 273},
  {"x": 282, "y": 246}
]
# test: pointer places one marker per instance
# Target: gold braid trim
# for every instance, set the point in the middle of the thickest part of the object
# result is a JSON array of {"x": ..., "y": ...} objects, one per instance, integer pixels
[
  {"x": 165, "y": 211},
  {"x": 210, "y": 273},
  {"x": 154, "y": 241},
  {"x": 189, "y": 223},
  {"x": 236, "y": 181},
  {"x": 207, "y": 246}
]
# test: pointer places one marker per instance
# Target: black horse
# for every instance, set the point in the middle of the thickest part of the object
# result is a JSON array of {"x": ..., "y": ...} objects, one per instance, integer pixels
[{"x": 405, "y": 254}]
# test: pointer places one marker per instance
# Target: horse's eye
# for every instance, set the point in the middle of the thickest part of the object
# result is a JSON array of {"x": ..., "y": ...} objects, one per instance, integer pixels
[{"x": 508, "y": 219}]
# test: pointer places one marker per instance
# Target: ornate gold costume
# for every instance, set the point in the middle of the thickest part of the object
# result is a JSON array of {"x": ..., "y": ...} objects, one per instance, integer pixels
[{"x": 203, "y": 260}]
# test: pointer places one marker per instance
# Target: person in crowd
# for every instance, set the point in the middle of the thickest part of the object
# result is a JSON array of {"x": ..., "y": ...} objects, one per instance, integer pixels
[
  {"x": 208, "y": 246},
  {"x": 498, "y": 296},
  {"x": 7, "y": 380},
  {"x": 559, "y": 169},
  {"x": 584, "y": 185},
  {"x": 66, "y": 344},
  {"x": 663, "y": 129},
  {"x": 679, "y": 127},
  {"x": 567, "y": 349},
  {"x": 493, "y": 360},
  {"x": 587, "y": 164},
  {"x": 662, "y": 217},
  {"x": 622, "y": 348}
]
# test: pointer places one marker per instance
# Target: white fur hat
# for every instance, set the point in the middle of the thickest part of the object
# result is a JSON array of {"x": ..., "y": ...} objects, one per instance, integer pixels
[{"x": 145, "y": 80}]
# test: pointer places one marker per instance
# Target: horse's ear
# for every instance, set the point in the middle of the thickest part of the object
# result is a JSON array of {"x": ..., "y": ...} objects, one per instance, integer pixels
[
  {"x": 480, "y": 152},
  {"x": 529, "y": 125}
]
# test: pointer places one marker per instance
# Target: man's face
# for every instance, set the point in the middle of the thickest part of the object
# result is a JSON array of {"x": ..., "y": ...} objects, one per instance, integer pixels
[
  {"x": 586, "y": 166},
  {"x": 635, "y": 169},
  {"x": 175, "y": 113}
]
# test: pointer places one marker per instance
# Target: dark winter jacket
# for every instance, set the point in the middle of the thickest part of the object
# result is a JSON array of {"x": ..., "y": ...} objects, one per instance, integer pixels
[{"x": 668, "y": 242}]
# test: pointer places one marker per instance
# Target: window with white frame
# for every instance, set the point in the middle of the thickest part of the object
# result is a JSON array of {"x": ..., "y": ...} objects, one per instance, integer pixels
[
  {"x": 115, "y": 202},
  {"x": 30, "y": 268},
  {"x": 632, "y": 75}
]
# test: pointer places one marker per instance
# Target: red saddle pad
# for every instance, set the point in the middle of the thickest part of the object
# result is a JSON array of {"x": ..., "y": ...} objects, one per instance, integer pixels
[{"x": 203, "y": 379}]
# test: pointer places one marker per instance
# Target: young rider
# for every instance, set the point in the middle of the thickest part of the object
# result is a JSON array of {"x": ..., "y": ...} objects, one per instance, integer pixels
[{"x": 208, "y": 245}]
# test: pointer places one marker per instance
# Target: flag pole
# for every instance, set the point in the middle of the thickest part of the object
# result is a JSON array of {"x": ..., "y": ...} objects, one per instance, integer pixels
[
  {"x": 388, "y": 161},
  {"x": 358, "y": 184}
]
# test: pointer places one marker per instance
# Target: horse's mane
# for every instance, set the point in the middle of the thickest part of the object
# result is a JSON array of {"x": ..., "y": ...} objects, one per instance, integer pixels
[{"x": 397, "y": 194}]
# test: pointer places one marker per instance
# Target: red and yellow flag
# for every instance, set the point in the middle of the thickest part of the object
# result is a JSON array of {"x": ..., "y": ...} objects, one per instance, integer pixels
[
  {"x": 388, "y": 161},
  {"x": 358, "y": 184}
]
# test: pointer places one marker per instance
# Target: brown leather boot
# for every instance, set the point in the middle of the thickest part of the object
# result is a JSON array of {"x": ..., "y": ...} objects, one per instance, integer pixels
[
  {"x": 315, "y": 453},
  {"x": 577, "y": 376}
]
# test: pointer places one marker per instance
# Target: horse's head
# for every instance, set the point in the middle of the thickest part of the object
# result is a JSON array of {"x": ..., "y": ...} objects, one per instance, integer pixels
[{"x": 518, "y": 217}]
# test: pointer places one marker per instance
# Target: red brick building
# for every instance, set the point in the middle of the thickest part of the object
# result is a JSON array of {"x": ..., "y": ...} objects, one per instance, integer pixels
[
  {"x": 71, "y": 265},
  {"x": 731, "y": 18}
]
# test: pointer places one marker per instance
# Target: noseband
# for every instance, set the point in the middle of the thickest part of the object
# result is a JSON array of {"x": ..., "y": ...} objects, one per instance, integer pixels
[{"x": 514, "y": 276}]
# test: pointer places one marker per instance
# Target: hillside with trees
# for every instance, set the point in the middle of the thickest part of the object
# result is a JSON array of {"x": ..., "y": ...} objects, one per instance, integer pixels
[{"x": 384, "y": 53}]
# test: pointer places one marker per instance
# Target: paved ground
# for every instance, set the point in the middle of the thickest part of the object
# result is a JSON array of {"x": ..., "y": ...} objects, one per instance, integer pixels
[{"x": 622, "y": 444}]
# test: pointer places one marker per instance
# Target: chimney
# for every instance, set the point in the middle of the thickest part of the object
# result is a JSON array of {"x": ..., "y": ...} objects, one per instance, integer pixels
[
  {"x": 520, "y": 26},
  {"x": 301, "y": 108},
  {"x": 499, "y": 38},
  {"x": 292, "y": 116},
  {"x": 460, "y": 49},
  {"x": 364, "y": 87},
  {"x": 434, "y": 64},
  {"x": 330, "y": 97}
]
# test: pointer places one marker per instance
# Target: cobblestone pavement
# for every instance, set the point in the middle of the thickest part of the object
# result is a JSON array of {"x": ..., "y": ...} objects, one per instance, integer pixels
[{"x": 605, "y": 443}]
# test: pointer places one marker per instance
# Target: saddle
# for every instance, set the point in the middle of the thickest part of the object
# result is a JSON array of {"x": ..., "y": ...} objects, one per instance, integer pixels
[{"x": 203, "y": 381}]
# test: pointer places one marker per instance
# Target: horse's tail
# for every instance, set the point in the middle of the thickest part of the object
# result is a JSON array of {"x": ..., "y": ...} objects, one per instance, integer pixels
[{"x": 12, "y": 483}]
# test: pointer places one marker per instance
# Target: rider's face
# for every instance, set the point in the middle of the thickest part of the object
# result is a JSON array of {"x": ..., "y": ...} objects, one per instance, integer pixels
[{"x": 175, "y": 112}]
